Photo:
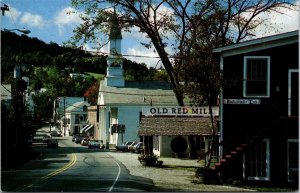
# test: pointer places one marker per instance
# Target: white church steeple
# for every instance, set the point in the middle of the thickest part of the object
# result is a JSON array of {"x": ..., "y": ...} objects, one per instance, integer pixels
[{"x": 114, "y": 74}]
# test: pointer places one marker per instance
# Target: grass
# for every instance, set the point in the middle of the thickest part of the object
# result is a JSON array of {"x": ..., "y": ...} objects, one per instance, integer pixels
[{"x": 96, "y": 76}]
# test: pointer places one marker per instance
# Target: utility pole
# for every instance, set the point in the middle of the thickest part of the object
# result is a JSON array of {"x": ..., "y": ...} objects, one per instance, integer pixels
[
  {"x": 65, "y": 120},
  {"x": 19, "y": 87}
]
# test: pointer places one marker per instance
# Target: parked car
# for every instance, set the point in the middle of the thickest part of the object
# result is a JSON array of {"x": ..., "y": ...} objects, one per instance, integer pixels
[
  {"x": 74, "y": 136},
  {"x": 56, "y": 133},
  {"x": 53, "y": 143},
  {"x": 130, "y": 147},
  {"x": 79, "y": 138},
  {"x": 46, "y": 138},
  {"x": 124, "y": 146},
  {"x": 139, "y": 147},
  {"x": 85, "y": 141},
  {"x": 94, "y": 144}
]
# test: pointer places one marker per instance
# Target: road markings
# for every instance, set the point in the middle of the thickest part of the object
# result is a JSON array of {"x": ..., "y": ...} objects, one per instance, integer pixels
[
  {"x": 119, "y": 172},
  {"x": 70, "y": 164}
]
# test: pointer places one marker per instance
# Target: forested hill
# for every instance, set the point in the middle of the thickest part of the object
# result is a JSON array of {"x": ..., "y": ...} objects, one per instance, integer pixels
[
  {"x": 32, "y": 51},
  {"x": 23, "y": 49}
]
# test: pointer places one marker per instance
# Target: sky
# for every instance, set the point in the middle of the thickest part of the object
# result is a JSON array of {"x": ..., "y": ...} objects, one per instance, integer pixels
[{"x": 48, "y": 21}]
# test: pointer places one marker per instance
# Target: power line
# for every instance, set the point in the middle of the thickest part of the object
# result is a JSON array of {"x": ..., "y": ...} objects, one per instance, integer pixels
[
  {"x": 136, "y": 94},
  {"x": 5, "y": 88}
]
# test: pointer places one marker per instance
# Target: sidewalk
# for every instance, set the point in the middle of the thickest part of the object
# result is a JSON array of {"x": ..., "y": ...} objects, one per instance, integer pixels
[{"x": 177, "y": 175}]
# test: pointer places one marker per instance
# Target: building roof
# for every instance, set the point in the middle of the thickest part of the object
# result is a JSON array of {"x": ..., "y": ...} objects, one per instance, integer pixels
[
  {"x": 137, "y": 93},
  {"x": 66, "y": 102},
  {"x": 77, "y": 107},
  {"x": 164, "y": 125},
  {"x": 259, "y": 44}
]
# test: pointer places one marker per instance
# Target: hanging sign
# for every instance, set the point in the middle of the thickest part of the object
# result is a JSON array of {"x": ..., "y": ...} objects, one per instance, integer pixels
[
  {"x": 242, "y": 101},
  {"x": 179, "y": 111}
]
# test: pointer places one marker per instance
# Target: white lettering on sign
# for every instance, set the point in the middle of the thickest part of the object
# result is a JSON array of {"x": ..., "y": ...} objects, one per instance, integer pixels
[
  {"x": 186, "y": 111},
  {"x": 242, "y": 101}
]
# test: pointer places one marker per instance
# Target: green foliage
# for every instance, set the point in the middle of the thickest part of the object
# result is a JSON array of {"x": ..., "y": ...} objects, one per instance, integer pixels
[{"x": 49, "y": 65}]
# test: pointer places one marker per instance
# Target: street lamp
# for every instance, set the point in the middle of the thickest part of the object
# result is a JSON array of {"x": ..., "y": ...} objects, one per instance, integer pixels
[{"x": 23, "y": 30}]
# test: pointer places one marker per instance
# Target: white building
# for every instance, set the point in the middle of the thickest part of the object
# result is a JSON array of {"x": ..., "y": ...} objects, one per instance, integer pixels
[
  {"x": 122, "y": 105},
  {"x": 121, "y": 101},
  {"x": 76, "y": 118},
  {"x": 67, "y": 110}
]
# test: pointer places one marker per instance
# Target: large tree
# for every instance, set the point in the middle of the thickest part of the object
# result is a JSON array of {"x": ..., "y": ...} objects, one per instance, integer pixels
[
  {"x": 176, "y": 28},
  {"x": 182, "y": 32}
]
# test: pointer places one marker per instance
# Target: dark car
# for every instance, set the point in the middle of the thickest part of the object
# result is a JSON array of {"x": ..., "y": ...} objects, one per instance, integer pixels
[
  {"x": 79, "y": 138},
  {"x": 124, "y": 146},
  {"x": 56, "y": 133},
  {"x": 138, "y": 148},
  {"x": 85, "y": 141},
  {"x": 46, "y": 138},
  {"x": 53, "y": 143},
  {"x": 74, "y": 136}
]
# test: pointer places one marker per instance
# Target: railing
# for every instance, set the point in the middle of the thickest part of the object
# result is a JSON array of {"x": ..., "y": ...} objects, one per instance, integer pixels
[{"x": 240, "y": 133}]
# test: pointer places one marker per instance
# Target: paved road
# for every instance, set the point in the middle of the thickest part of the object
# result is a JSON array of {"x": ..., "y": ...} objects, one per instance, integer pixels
[{"x": 72, "y": 168}]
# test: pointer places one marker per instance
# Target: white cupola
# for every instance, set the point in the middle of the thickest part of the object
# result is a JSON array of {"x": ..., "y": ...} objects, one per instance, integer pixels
[{"x": 114, "y": 73}]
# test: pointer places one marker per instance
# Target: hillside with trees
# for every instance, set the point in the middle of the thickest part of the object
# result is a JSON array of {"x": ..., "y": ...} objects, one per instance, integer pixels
[{"x": 48, "y": 66}]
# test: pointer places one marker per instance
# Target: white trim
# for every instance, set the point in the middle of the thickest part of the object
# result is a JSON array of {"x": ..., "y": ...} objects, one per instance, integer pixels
[
  {"x": 245, "y": 76},
  {"x": 221, "y": 110},
  {"x": 267, "y": 178},
  {"x": 259, "y": 44},
  {"x": 288, "y": 161},
  {"x": 290, "y": 88}
]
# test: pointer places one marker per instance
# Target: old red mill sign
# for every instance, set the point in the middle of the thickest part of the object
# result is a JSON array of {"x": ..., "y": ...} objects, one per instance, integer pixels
[{"x": 179, "y": 111}]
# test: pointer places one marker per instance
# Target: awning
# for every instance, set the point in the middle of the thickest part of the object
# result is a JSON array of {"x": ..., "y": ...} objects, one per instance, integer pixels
[
  {"x": 85, "y": 127},
  {"x": 91, "y": 126},
  {"x": 160, "y": 126}
]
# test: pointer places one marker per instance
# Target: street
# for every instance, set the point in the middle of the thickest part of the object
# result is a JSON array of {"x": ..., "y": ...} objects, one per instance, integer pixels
[{"x": 71, "y": 168}]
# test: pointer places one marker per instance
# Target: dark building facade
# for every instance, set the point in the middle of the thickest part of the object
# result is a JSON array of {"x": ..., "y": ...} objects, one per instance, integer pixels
[{"x": 259, "y": 111}]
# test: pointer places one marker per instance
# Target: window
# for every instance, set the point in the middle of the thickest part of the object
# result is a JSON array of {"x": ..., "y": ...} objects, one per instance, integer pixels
[
  {"x": 256, "y": 76},
  {"x": 293, "y": 92},
  {"x": 293, "y": 159},
  {"x": 156, "y": 143},
  {"x": 257, "y": 162}
]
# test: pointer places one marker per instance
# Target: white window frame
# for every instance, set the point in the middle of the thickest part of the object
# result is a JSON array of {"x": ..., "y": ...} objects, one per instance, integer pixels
[
  {"x": 267, "y": 178},
  {"x": 288, "y": 161},
  {"x": 290, "y": 89},
  {"x": 245, "y": 77}
]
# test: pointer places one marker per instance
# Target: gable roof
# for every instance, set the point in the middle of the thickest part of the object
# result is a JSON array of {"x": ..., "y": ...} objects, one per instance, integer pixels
[
  {"x": 259, "y": 44},
  {"x": 137, "y": 93},
  {"x": 77, "y": 107},
  {"x": 65, "y": 102}
]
